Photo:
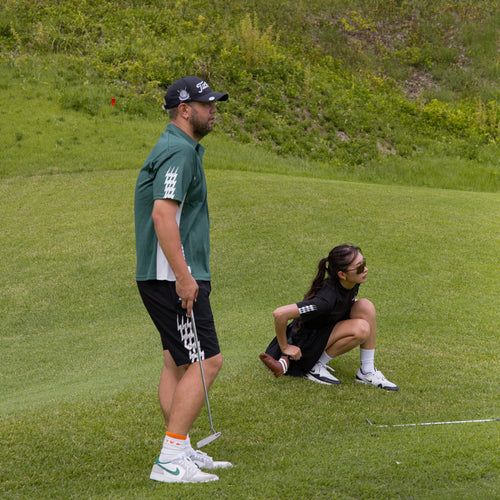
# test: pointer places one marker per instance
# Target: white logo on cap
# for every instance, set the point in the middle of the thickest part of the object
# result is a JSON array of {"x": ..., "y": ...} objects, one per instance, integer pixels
[
  {"x": 211, "y": 98},
  {"x": 183, "y": 95},
  {"x": 202, "y": 86}
]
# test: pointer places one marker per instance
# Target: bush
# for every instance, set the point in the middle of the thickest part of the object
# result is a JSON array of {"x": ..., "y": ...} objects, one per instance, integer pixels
[{"x": 326, "y": 82}]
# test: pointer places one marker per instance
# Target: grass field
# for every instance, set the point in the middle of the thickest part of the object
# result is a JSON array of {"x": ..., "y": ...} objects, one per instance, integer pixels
[{"x": 80, "y": 358}]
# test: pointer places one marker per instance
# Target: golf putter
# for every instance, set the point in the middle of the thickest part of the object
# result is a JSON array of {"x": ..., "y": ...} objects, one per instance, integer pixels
[{"x": 214, "y": 434}]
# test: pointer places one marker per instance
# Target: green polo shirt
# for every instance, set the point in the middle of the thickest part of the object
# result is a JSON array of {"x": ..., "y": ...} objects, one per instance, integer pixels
[{"x": 173, "y": 171}]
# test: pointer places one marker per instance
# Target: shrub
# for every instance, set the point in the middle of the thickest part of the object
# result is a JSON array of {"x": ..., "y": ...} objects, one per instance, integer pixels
[{"x": 327, "y": 81}]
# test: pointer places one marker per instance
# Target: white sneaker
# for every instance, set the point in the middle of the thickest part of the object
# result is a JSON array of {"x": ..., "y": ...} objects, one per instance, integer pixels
[
  {"x": 203, "y": 461},
  {"x": 377, "y": 379},
  {"x": 319, "y": 373},
  {"x": 181, "y": 470}
]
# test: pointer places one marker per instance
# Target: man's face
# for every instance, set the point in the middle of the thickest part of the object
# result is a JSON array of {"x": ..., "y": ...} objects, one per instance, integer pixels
[{"x": 202, "y": 118}]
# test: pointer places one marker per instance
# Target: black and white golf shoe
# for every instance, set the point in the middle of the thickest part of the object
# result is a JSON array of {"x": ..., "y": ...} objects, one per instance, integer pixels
[
  {"x": 319, "y": 373},
  {"x": 377, "y": 379}
]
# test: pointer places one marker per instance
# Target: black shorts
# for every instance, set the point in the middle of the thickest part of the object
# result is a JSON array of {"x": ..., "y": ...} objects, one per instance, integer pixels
[
  {"x": 312, "y": 343},
  {"x": 164, "y": 306}
]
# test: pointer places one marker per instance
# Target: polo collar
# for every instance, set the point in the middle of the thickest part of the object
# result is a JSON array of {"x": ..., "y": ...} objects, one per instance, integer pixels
[{"x": 174, "y": 129}]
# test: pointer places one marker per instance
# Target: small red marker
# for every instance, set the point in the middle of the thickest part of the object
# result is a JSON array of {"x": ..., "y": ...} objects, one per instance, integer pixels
[{"x": 113, "y": 100}]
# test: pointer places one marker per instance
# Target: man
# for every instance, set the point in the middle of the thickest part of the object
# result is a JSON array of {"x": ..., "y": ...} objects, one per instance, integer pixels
[{"x": 173, "y": 275}]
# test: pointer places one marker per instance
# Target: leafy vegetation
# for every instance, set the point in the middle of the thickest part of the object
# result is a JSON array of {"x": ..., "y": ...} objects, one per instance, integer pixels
[{"x": 356, "y": 84}]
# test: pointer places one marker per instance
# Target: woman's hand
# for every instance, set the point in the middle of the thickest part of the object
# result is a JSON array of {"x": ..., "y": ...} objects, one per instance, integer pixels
[{"x": 292, "y": 351}]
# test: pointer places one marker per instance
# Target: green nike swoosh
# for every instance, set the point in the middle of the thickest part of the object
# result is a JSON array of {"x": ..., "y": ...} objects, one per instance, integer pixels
[{"x": 175, "y": 472}]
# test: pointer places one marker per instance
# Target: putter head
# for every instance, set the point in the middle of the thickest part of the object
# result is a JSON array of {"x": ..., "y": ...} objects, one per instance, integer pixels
[{"x": 207, "y": 440}]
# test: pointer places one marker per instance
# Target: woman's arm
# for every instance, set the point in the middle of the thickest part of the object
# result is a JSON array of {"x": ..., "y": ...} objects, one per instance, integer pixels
[{"x": 282, "y": 315}]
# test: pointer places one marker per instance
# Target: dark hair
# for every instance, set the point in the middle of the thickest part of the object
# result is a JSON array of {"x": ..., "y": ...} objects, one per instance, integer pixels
[
  {"x": 172, "y": 113},
  {"x": 338, "y": 259}
]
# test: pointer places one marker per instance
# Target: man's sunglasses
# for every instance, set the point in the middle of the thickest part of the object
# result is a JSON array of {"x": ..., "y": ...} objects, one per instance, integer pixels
[{"x": 360, "y": 269}]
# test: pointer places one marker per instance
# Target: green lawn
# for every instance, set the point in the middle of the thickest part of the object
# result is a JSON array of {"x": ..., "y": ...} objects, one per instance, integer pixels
[{"x": 81, "y": 359}]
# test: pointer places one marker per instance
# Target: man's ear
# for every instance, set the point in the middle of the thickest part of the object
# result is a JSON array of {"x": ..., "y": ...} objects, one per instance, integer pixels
[
  {"x": 341, "y": 275},
  {"x": 184, "y": 110}
]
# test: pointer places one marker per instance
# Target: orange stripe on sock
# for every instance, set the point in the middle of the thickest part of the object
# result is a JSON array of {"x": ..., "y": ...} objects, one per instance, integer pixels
[{"x": 176, "y": 436}]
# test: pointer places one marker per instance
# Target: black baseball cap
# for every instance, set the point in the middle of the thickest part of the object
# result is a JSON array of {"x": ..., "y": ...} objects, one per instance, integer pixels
[{"x": 190, "y": 88}]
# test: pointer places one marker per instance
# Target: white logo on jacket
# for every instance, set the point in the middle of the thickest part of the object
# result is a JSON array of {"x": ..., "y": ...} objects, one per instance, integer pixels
[{"x": 307, "y": 309}]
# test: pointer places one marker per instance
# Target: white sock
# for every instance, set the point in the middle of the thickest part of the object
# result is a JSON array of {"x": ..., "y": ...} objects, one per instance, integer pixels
[
  {"x": 367, "y": 357},
  {"x": 189, "y": 449},
  {"x": 284, "y": 363},
  {"x": 324, "y": 358},
  {"x": 173, "y": 448}
]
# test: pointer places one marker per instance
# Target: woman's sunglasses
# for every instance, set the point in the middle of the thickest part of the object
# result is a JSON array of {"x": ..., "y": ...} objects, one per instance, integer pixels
[{"x": 360, "y": 269}]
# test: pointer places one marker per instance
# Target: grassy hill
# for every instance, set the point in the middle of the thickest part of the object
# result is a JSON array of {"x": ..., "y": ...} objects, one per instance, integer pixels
[{"x": 380, "y": 91}]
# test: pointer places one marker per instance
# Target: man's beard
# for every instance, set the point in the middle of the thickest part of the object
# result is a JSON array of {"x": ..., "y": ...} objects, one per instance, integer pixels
[{"x": 200, "y": 128}]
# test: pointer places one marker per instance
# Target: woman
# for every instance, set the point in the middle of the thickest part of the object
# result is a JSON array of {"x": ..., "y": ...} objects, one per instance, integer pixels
[{"x": 330, "y": 321}]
